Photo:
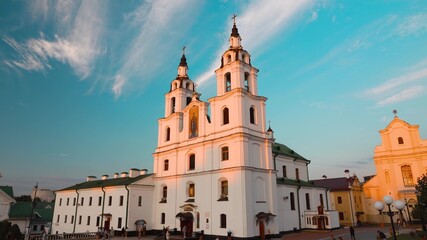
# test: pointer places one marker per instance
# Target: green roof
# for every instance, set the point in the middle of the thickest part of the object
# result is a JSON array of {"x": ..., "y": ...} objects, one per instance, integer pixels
[
  {"x": 292, "y": 182},
  {"x": 120, "y": 181},
  {"x": 282, "y": 149},
  {"x": 23, "y": 210},
  {"x": 8, "y": 190}
]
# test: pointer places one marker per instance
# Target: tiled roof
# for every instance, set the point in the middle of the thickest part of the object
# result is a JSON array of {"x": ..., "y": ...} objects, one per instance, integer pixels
[
  {"x": 8, "y": 190},
  {"x": 292, "y": 182},
  {"x": 23, "y": 210},
  {"x": 282, "y": 149},
  {"x": 120, "y": 181},
  {"x": 335, "y": 184}
]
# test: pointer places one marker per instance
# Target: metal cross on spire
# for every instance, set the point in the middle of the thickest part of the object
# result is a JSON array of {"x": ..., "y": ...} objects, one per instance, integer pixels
[
  {"x": 234, "y": 18},
  {"x": 183, "y": 50},
  {"x": 395, "y": 112}
]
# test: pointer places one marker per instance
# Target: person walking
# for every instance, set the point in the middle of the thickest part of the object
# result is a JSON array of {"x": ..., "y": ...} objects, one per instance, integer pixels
[{"x": 352, "y": 236}]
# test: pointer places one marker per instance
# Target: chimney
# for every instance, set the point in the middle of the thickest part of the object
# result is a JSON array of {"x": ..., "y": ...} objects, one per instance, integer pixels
[
  {"x": 124, "y": 174},
  {"x": 104, "y": 177},
  {"x": 90, "y": 178},
  {"x": 143, "y": 171},
  {"x": 116, "y": 175},
  {"x": 133, "y": 172}
]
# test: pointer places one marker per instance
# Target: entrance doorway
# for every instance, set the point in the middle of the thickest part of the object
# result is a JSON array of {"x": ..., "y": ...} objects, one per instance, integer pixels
[{"x": 186, "y": 223}]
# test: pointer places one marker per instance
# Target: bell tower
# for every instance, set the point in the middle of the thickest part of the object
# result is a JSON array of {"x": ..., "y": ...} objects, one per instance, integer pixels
[
  {"x": 182, "y": 89},
  {"x": 236, "y": 70}
]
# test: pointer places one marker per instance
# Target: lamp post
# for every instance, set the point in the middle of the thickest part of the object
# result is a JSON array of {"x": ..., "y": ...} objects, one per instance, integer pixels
[
  {"x": 388, "y": 200},
  {"x": 407, "y": 209},
  {"x": 421, "y": 206}
]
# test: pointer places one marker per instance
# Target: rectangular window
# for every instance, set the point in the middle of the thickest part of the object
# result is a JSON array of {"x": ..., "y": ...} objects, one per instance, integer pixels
[
  {"x": 292, "y": 196},
  {"x": 98, "y": 219},
  {"x": 321, "y": 199},
  {"x": 110, "y": 200},
  {"x": 72, "y": 219},
  {"x": 307, "y": 201},
  {"x": 82, "y": 201},
  {"x": 284, "y": 171},
  {"x": 68, "y": 201},
  {"x": 99, "y": 201},
  {"x": 163, "y": 218},
  {"x": 297, "y": 173},
  {"x": 121, "y": 201},
  {"x": 65, "y": 219},
  {"x": 119, "y": 223},
  {"x": 191, "y": 190},
  {"x": 88, "y": 220},
  {"x": 224, "y": 153},
  {"x": 166, "y": 167},
  {"x": 74, "y": 201},
  {"x": 80, "y": 219},
  {"x": 60, "y": 201},
  {"x": 140, "y": 201},
  {"x": 192, "y": 162},
  {"x": 339, "y": 200},
  {"x": 90, "y": 201},
  {"x": 35, "y": 228},
  {"x": 341, "y": 215},
  {"x": 223, "y": 221},
  {"x": 57, "y": 219}
]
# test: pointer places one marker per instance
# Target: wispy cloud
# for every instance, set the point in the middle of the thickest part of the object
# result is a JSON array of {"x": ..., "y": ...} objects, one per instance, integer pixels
[
  {"x": 142, "y": 57},
  {"x": 412, "y": 25},
  {"x": 79, "y": 47},
  {"x": 391, "y": 91},
  {"x": 256, "y": 26},
  {"x": 409, "y": 93}
]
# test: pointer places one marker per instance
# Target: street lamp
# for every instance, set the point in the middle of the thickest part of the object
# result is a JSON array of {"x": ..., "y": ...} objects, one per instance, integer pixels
[
  {"x": 407, "y": 209},
  {"x": 421, "y": 206},
  {"x": 397, "y": 204}
]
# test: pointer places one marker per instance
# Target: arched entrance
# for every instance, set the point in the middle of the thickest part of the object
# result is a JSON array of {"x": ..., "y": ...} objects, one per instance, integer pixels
[
  {"x": 263, "y": 218},
  {"x": 186, "y": 223}
]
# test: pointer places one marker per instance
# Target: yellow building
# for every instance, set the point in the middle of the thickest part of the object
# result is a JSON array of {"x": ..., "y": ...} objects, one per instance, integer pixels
[
  {"x": 346, "y": 198},
  {"x": 399, "y": 160}
]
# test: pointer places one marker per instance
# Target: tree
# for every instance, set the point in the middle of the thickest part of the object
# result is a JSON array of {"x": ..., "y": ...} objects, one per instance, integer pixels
[
  {"x": 421, "y": 190},
  {"x": 4, "y": 229}
]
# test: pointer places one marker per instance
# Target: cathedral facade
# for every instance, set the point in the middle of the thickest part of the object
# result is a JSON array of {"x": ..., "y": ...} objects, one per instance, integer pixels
[{"x": 216, "y": 162}]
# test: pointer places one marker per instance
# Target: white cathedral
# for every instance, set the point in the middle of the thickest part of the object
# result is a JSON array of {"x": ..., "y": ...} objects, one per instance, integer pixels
[{"x": 217, "y": 168}]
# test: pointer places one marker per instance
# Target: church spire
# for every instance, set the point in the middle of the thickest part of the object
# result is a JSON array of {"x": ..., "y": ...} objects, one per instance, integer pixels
[
  {"x": 183, "y": 67},
  {"x": 183, "y": 62},
  {"x": 234, "y": 36}
]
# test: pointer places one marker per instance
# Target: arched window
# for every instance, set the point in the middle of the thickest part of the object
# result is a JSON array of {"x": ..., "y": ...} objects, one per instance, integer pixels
[
  {"x": 168, "y": 134},
  {"x": 189, "y": 100},
  {"x": 166, "y": 165},
  {"x": 163, "y": 218},
  {"x": 223, "y": 223},
  {"x": 408, "y": 180},
  {"x": 243, "y": 57},
  {"x": 297, "y": 173},
  {"x": 173, "y": 105},
  {"x": 247, "y": 81},
  {"x": 292, "y": 197},
  {"x": 175, "y": 85},
  {"x": 192, "y": 162},
  {"x": 227, "y": 82},
  {"x": 321, "y": 199},
  {"x": 191, "y": 190},
  {"x": 225, "y": 116},
  {"x": 252, "y": 115},
  {"x": 387, "y": 177},
  {"x": 224, "y": 190},
  {"x": 164, "y": 194},
  {"x": 400, "y": 140},
  {"x": 224, "y": 153},
  {"x": 228, "y": 58},
  {"x": 307, "y": 201},
  {"x": 188, "y": 85}
]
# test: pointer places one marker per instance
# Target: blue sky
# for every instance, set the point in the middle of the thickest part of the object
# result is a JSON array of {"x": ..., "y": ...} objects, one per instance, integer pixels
[{"x": 83, "y": 82}]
